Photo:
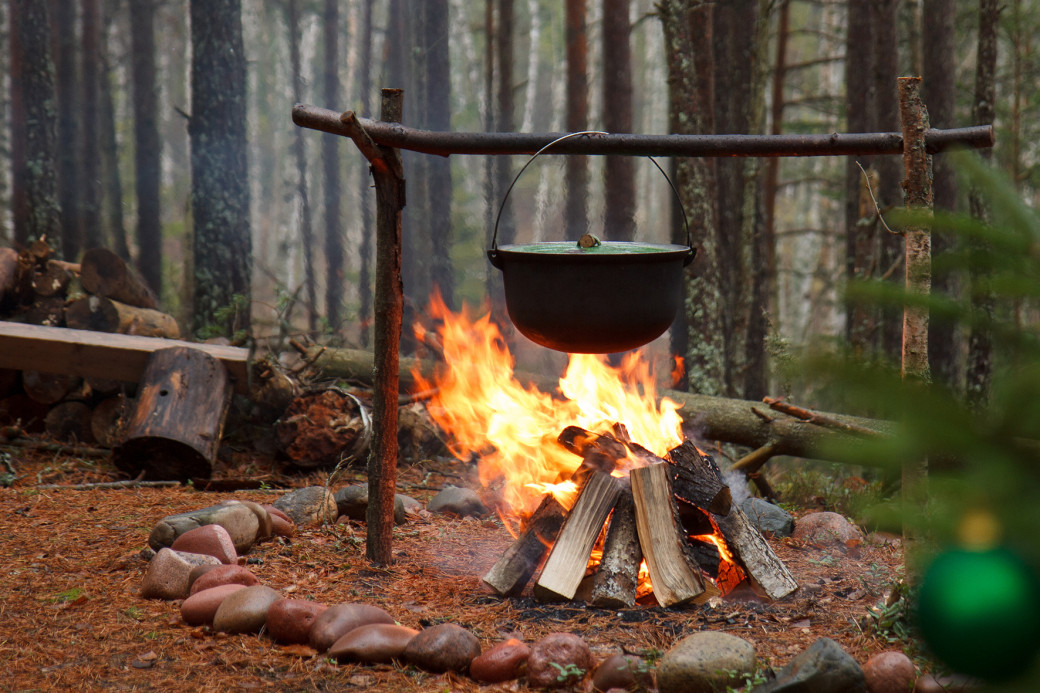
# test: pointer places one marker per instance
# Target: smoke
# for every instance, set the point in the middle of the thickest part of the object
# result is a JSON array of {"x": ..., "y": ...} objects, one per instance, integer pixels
[{"x": 738, "y": 486}]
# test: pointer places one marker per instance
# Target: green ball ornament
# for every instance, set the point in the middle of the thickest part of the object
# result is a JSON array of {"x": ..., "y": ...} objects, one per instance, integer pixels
[{"x": 979, "y": 612}]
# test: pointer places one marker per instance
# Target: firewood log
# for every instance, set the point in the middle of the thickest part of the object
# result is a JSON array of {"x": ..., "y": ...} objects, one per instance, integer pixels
[
  {"x": 101, "y": 314},
  {"x": 52, "y": 280},
  {"x": 69, "y": 422},
  {"x": 48, "y": 388},
  {"x": 24, "y": 411},
  {"x": 108, "y": 420},
  {"x": 616, "y": 579},
  {"x": 104, "y": 273},
  {"x": 48, "y": 311}
]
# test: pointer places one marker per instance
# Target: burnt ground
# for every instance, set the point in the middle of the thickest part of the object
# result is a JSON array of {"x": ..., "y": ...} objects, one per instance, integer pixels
[{"x": 71, "y": 617}]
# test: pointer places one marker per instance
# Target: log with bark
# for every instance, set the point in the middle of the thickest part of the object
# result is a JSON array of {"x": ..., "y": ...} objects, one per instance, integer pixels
[
  {"x": 175, "y": 427},
  {"x": 323, "y": 428},
  {"x": 100, "y": 314},
  {"x": 104, "y": 273},
  {"x": 617, "y": 577},
  {"x": 70, "y": 422},
  {"x": 53, "y": 279},
  {"x": 109, "y": 419},
  {"x": 48, "y": 311},
  {"x": 49, "y": 388}
]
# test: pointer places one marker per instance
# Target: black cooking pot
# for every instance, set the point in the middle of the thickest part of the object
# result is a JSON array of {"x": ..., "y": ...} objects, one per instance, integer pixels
[{"x": 591, "y": 297}]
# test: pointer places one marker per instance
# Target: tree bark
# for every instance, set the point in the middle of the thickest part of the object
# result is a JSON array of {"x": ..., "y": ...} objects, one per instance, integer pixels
[
  {"x": 70, "y": 121},
  {"x": 111, "y": 181},
  {"x": 330, "y": 166},
  {"x": 980, "y": 342},
  {"x": 147, "y": 144},
  {"x": 105, "y": 273},
  {"x": 90, "y": 179},
  {"x": 577, "y": 173},
  {"x": 300, "y": 153},
  {"x": 101, "y": 314},
  {"x": 504, "y": 122},
  {"x": 43, "y": 210},
  {"x": 365, "y": 271},
  {"x": 437, "y": 85},
  {"x": 222, "y": 245},
  {"x": 691, "y": 99},
  {"x": 938, "y": 91},
  {"x": 620, "y": 178}
]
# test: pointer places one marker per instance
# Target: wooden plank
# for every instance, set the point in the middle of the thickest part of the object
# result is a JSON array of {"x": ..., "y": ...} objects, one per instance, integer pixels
[{"x": 101, "y": 354}]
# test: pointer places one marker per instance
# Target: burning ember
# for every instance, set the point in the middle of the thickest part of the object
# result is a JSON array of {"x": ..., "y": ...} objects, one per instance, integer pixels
[{"x": 562, "y": 465}]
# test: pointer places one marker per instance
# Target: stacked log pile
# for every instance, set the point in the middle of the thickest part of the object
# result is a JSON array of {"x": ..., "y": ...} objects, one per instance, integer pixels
[{"x": 100, "y": 293}]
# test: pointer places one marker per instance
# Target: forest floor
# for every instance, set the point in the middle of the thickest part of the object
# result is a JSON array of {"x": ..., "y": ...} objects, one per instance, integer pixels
[{"x": 71, "y": 617}]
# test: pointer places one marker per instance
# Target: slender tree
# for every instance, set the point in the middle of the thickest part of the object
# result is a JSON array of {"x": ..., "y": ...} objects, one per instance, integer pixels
[
  {"x": 330, "y": 168},
  {"x": 70, "y": 121},
  {"x": 437, "y": 102},
  {"x": 365, "y": 88},
  {"x": 619, "y": 171},
  {"x": 111, "y": 180},
  {"x": 577, "y": 118},
  {"x": 687, "y": 31},
  {"x": 222, "y": 247},
  {"x": 36, "y": 78},
  {"x": 979, "y": 368},
  {"x": 503, "y": 122},
  {"x": 938, "y": 90},
  {"x": 300, "y": 153},
  {"x": 19, "y": 195},
  {"x": 147, "y": 144},
  {"x": 90, "y": 209}
]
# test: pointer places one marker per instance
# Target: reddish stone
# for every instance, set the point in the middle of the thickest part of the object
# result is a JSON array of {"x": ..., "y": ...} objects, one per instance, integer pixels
[
  {"x": 622, "y": 671},
  {"x": 281, "y": 524},
  {"x": 224, "y": 575},
  {"x": 889, "y": 672},
  {"x": 336, "y": 621},
  {"x": 210, "y": 540},
  {"x": 554, "y": 654},
  {"x": 503, "y": 662},
  {"x": 199, "y": 608},
  {"x": 290, "y": 620},
  {"x": 376, "y": 643},
  {"x": 826, "y": 528},
  {"x": 444, "y": 647},
  {"x": 245, "y": 611},
  {"x": 168, "y": 571}
]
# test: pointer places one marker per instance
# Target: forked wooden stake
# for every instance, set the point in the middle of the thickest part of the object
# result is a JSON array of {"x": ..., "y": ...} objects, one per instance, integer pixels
[
  {"x": 570, "y": 553},
  {"x": 676, "y": 577}
]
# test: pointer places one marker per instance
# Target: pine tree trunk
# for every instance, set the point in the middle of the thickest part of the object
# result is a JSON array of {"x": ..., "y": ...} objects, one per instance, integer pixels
[
  {"x": 437, "y": 39},
  {"x": 43, "y": 211},
  {"x": 300, "y": 153},
  {"x": 938, "y": 91},
  {"x": 691, "y": 87},
  {"x": 219, "y": 173},
  {"x": 147, "y": 145},
  {"x": 365, "y": 87},
  {"x": 330, "y": 167},
  {"x": 70, "y": 120},
  {"x": 90, "y": 211},
  {"x": 620, "y": 179},
  {"x": 111, "y": 180},
  {"x": 979, "y": 369},
  {"x": 577, "y": 173}
]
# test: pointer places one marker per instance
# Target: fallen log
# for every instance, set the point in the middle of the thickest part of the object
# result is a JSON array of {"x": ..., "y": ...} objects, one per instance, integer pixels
[
  {"x": 709, "y": 418},
  {"x": 104, "y": 273},
  {"x": 101, "y": 314},
  {"x": 48, "y": 311}
]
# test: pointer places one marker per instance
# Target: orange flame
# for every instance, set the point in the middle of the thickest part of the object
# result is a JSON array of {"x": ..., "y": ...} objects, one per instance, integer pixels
[
  {"x": 730, "y": 573},
  {"x": 512, "y": 429}
]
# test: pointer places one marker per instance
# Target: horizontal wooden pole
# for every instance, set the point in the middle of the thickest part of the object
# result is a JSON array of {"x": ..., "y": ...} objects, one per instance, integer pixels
[
  {"x": 101, "y": 354},
  {"x": 491, "y": 143}
]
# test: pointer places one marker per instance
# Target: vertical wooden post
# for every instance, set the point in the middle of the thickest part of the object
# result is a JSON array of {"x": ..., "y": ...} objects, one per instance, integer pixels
[
  {"x": 913, "y": 116},
  {"x": 389, "y": 301}
]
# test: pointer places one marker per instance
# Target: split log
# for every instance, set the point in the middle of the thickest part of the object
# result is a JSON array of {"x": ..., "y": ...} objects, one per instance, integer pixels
[
  {"x": 48, "y": 311},
  {"x": 104, "y": 273},
  {"x": 108, "y": 420},
  {"x": 763, "y": 567},
  {"x": 69, "y": 422},
  {"x": 616, "y": 579},
  {"x": 101, "y": 314},
  {"x": 514, "y": 568},
  {"x": 569, "y": 557},
  {"x": 674, "y": 573},
  {"x": 175, "y": 428},
  {"x": 48, "y": 388},
  {"x": 696, "y": 479},
  {"x": 52, "y": 280}
]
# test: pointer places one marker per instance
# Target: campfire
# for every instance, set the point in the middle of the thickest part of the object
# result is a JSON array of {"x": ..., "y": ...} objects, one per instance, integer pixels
[{"x": 598, "y": 485}]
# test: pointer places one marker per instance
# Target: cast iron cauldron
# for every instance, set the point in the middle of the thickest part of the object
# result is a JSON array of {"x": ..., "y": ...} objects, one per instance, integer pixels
[{"x": 591, "y": 297}]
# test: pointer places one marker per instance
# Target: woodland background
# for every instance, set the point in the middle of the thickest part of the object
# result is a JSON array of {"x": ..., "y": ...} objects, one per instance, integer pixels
[{"x": 161, "y": 129}]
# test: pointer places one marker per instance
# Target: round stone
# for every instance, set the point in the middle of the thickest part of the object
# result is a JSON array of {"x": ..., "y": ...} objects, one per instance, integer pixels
[
  {"x": 627, "y": 672},
  {"x": 558, "y": 660},
  {"x": 224, "y": 575},
  {"x": 336, "y": 621},
  {"x": 444, "y": 647},
  {"x": 703, "y": 662},
  {"x": 461, "y": 502},
  {"x": 210, "y": 540},
  {"x": 245, "y": 611},
  {"x": 290, "y": 620},
  {"x": 889, "y": 672},
  {"x": 313, "y": 504},
  {"x": 503, "y": 662},
  {"x": 168, "y": 571},
  {"x": 826, "y": 528},
  {"x": 200, "y": 608},
  {"x": 376, "y": 643}
]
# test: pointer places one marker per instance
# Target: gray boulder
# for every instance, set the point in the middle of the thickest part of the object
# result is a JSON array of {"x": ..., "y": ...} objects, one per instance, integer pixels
[
  {"x": 314, "y": 504},
  {"x": 771, "y": 520},
  {"x": 705, "y": 662},
  {"x": 237, "y": 518},
  {"x": 823, "y": 668},
  {"x": 461, "y": 502}
]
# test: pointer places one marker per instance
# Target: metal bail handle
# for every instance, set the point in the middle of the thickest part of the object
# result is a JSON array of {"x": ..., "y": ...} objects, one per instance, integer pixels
[{"x": 493, "y": 252}]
